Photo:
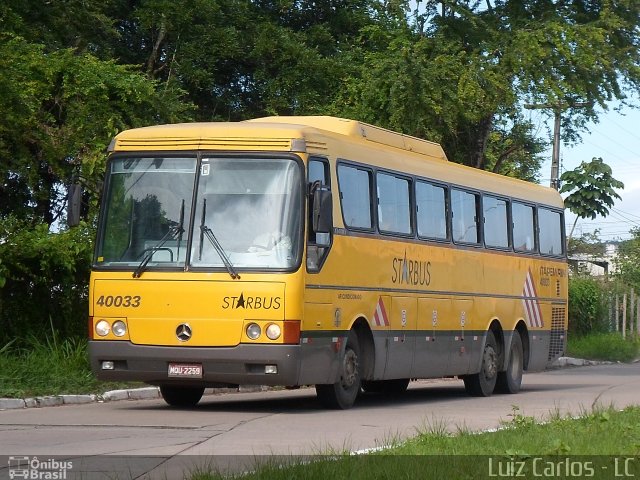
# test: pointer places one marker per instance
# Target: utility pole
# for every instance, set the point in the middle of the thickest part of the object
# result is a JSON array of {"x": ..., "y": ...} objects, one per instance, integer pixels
[{"x": 557, "y": 108}]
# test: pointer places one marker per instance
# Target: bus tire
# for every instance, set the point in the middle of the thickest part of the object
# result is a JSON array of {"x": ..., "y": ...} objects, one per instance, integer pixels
[
  {"x": 510, "y": 380},
  {"x": 389, "y": 387},
  {"x": 483, "y": 383},
  {"x": 181, "y": 396},
  {"x": 342, "y": 394}
]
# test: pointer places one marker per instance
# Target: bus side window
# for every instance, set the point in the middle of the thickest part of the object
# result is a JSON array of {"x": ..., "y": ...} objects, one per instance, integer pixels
[
  {"x": 317, "y": 249},
  {"x": 496, "y": 232},
  {"x": 394, "y": 206},
  {"x": 465, "y": 214},
  {"x": 356, "y": 196},
  {"x": 523, "y": 227},
  {"x": 431, "y": 207}
]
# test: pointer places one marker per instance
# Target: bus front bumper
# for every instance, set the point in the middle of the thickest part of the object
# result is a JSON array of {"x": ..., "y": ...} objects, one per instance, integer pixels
[{"x": 243, "y": 364}]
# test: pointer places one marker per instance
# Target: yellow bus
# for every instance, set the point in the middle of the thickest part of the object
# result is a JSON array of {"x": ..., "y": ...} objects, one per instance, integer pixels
[{"x": 319, "y": 251}]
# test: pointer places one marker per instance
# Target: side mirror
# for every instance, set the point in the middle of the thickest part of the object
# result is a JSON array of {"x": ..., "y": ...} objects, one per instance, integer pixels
[
  {"x": 74, "y": 204},
  {"x": 322, "y": 211}
]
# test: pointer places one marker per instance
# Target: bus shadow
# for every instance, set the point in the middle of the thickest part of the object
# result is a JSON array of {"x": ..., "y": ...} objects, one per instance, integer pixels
[{"x": 304, "y": 401}]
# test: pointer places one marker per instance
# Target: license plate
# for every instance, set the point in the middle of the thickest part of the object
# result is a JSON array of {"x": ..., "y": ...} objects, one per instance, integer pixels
[{"x": 186, "y": 370}]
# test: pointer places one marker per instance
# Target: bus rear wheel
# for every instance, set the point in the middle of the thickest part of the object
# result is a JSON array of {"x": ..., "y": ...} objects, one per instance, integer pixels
[
  {"x": 510, "y": 380},
  {"x": 181, "y": 396},
  {"x": 483, "y": 383},
  {"x": 342, "y": 394}
]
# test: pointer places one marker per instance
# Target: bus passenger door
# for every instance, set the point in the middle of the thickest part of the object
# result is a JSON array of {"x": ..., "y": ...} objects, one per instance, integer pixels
[{"x": 401, "y": 337}]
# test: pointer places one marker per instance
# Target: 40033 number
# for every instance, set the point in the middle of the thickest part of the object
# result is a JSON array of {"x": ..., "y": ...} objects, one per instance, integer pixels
[{"x": 132, "y": 301}]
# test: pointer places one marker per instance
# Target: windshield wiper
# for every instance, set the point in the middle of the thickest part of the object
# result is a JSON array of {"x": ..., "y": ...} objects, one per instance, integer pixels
[
  {"x": 206, "y": 231},
  {"x": 173, "y": 232}
]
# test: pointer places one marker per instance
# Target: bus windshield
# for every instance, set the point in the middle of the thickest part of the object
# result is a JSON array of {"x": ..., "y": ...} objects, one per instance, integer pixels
[
  {"x": 247, "y": 213},
  {"x": 252, "y": 208}
]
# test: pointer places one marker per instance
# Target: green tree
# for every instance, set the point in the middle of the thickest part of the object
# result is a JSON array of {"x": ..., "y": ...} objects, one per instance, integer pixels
[
  {"x": 587, "y": 244},
  {"x": 62, "y": 101},
  {"x": 587, "y": 306},
  {"x": 593, "y": 190},
  {"x": 459, "y": 73},
  {"x": 58, "y": 113},
  {"x": 239, "y": 59},
  {"x": 629, "y": 260},
  {"x": 45, "y": 280}
]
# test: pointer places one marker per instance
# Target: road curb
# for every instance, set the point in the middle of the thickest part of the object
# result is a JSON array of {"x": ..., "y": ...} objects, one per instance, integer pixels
[{"x": 144, "y": 393}]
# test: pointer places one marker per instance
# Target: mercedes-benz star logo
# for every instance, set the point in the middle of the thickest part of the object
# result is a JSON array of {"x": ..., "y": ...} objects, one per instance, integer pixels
[{"x": 183, "y": 332}]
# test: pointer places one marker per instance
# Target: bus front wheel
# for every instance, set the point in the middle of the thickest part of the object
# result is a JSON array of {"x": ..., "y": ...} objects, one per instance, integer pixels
[
  {"x": 342, "y": 394},
  {"x": 181, "y": 396},
  {"x": 483, "y": 383}
]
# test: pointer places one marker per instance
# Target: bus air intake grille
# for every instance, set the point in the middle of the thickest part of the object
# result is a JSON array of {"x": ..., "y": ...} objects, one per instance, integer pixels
[{"x": 558, "y": 333}]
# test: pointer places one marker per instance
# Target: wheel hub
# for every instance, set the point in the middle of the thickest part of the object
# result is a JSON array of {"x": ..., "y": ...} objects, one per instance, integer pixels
[
  {"x": 349, "y": 369},
  {"x": 490, "y": 363}
]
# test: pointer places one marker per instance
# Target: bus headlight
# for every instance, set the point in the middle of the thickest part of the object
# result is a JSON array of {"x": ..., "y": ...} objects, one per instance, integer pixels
[
  {"x": 273, "y": 331},
  {"x": 253, "y": 331},
  {"x": 103, "y": 328},
  {"x": 119, "y": 328}
]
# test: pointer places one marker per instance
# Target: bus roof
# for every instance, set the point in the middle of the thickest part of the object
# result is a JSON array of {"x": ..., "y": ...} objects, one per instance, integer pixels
[
  {"x": 311, "y": 134},
  {"x": 265, "y": 132}
]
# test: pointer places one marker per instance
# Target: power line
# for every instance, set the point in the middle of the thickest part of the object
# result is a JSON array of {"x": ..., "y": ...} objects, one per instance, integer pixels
[
  {"x": 616, "y": 213},
  {"x": 627, "y": 213},
  {"x": 623, "y": 128},
  {"x": 619, "y": 145}
]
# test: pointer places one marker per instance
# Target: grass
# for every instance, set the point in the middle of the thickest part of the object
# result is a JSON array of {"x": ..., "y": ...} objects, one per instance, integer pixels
[
  {"x": 591, "y": 442},
  {"x": 48, "y": 367},
  {"x": 604, "y": 346}
]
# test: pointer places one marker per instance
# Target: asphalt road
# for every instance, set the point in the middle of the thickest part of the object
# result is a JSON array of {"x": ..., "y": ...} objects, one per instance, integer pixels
[{"x": 147, "y": 439}]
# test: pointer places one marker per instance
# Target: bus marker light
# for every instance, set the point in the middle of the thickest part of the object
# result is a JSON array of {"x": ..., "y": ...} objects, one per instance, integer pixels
[
  {"x": 273, "y": 331},
  {"x": 103, "y": 328},
  {"x": 108, "y": 365},
  {"x": 270, "y": 369}
]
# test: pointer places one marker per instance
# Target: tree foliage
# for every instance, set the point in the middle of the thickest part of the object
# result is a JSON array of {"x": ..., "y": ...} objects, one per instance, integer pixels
[
  {"x": 592, "y": 187},
  {"x": 44, "y": 280},
  {"x": 629, "y": 260},
  {"x": 587, "y": 306},
  {"x": 58, "y": 114}
]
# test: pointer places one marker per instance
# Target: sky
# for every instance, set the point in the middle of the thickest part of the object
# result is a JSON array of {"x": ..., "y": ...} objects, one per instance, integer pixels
[{"x": 616, "y": 139}]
